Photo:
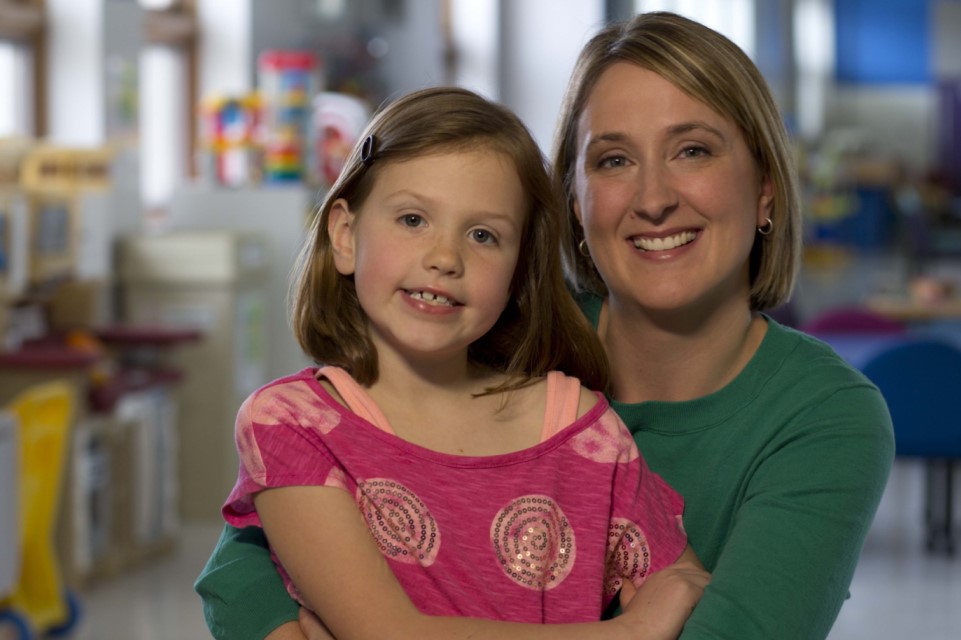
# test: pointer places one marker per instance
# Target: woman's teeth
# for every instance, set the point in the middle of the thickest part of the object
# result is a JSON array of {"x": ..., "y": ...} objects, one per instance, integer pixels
[{"x": 663, "y": 244}]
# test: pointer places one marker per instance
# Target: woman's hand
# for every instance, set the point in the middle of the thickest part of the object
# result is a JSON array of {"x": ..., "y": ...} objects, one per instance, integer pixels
[{"x": 665, "y": 600}]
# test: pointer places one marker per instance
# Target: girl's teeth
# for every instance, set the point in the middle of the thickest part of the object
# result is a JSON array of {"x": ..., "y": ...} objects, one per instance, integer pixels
[
  {"x": 663, "y": 244},
  {"x": 431, "y": 298}
]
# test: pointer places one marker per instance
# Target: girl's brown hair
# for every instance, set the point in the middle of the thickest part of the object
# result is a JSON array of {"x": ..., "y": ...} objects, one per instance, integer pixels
[
  {"x": 712, "y": 69},
  {"x": 540, "y": 330}
]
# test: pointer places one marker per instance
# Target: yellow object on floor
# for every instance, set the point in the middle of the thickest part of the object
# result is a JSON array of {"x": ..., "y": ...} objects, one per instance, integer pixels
[{"x": 45, "y": 414}]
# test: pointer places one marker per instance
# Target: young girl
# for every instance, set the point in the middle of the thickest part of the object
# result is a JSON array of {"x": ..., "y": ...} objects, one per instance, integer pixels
[{"x": 495, "y": 487}]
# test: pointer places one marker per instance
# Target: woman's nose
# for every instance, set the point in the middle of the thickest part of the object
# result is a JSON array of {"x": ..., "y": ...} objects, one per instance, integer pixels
[{"x": 654, "y": 196}]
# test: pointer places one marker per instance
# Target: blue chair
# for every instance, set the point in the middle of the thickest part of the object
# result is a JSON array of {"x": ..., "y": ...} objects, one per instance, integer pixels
[{"x": 921, "y": 381}]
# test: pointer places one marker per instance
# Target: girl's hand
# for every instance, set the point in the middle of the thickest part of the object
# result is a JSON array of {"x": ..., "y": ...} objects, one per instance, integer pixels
[
  {"x": 665, "y": 600},
  {"x": 312, "y": 626}
]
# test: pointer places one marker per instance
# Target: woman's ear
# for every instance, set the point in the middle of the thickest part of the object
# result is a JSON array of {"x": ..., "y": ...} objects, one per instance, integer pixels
[
  {"x": 765, "y": 202},
  {"x": 340, "y": 228}
]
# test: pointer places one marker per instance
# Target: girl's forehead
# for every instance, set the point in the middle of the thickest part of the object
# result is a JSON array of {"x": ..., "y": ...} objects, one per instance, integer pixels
[{"x": 481, "y": 179}]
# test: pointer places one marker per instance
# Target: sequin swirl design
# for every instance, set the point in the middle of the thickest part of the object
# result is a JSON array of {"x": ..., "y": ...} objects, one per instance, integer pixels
[
  {"x": 534, "y": 542},
  {"x": 628, "y": 554},
  {"x": 403, "y": 527}
]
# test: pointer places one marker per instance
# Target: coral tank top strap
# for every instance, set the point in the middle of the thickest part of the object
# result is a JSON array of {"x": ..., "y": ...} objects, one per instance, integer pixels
[
  {"x": 356, "y": 397},
  {"x": 563, "y": 397}
]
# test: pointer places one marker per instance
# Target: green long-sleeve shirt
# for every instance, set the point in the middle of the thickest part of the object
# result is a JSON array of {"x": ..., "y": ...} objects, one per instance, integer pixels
[{"x": 782, "y": 471}]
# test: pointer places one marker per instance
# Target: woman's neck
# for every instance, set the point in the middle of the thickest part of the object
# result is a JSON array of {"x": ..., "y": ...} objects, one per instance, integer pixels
[{"x": 677, "y": 357}]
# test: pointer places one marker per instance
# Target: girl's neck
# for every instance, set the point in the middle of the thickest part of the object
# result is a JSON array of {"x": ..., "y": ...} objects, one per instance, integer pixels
[
  {"x": 445, "y": 377},
  {"x": 677, "y": 357},
  {"x": 439, "y": 408}
]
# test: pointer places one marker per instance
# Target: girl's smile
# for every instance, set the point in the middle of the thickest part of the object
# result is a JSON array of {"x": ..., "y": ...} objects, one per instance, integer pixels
[
  {"x": 432, "y": 299},
  {"x": 433, "y": 249}
]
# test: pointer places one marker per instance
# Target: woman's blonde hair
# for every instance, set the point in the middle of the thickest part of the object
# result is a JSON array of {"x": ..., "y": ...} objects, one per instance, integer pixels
[
  {"x": 712, "y": 69},
  {"x": 541, "y": 329}
]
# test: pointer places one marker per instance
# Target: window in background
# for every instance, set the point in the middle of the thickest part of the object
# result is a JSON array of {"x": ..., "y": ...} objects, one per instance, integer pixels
[
  {"x": 162, "y": 123},
  {"x": 733, "y": 18},
  {"x": 473, "y": 58},
  {"x": 814, "y": 56},
  {"x": 167, "y": 96},
  {"x": 22, "y": 101},
  {"x": 16, "y": 92}
]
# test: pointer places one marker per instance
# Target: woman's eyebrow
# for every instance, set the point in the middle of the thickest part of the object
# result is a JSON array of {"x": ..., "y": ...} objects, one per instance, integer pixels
[
  {"x": 673, "y": 130},
  {"x": 694, "y": 125},
  {"x": 611, "y": 136}
]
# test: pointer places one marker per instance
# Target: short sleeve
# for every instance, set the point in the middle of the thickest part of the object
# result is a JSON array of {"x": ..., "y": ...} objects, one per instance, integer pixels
[
  {"x": 281, "y": 435},
  {"x": 646, "y": 532}
]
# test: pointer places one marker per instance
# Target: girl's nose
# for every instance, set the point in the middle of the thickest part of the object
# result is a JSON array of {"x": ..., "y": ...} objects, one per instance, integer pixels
[{"x": 444, "y": 256}]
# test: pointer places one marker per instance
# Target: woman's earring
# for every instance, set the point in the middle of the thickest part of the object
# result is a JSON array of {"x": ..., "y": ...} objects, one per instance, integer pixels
[
  {"x": 583, "y": 249},
  {"x": 766, "y": 228}
]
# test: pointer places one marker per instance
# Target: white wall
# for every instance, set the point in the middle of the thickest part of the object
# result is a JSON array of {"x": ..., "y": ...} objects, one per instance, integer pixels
[
  {"x": 415, "y": 47},
  {"x": 540, "y": 40}
]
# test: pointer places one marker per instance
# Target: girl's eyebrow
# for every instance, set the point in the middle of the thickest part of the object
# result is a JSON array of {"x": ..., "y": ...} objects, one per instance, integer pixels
[
  {"x": 404, "y": 193},
  {"x": 406, "y": 197}
]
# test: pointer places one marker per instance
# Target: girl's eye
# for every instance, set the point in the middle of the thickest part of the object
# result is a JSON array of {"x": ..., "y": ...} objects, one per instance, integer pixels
[
  {"x": 482, "y": 236},
  {"x": 411, "y": 220}
]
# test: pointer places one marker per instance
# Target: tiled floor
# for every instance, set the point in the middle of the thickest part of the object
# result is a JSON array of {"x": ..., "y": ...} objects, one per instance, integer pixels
[
  {"x": 898, "y": 592},
  {"x": 156, "y": 602}
]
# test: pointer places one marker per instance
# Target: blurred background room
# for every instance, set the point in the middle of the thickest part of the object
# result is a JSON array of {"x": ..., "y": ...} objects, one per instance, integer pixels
[{"x": 159, "y": 160}]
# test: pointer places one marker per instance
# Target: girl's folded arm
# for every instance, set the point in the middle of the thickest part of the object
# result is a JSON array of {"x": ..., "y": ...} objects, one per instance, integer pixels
[{"x": 322, "y": 540}]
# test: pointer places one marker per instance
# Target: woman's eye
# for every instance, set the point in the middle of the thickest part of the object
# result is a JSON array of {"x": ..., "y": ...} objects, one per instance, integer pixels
[
  {"x": 612, "y": 162},
  {"x": 411, "y": 220},
  {"x": 694, "y": 152},
  {"x": 482, "y": 236}
]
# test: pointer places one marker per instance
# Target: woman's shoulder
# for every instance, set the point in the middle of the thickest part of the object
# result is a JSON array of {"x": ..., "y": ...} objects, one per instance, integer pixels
[
  {"x": 811, "y": 376},
  {"x": 808, "y": 357}
]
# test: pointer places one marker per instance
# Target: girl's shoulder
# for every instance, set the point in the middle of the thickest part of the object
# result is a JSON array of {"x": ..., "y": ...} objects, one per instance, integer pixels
[
  {"x": 290, "y": 395},
  {"x": 566, "y": 400}
]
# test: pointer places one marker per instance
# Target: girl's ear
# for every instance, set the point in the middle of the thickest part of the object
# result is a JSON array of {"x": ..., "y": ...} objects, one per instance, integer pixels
[{"x": 340, "y": 228}]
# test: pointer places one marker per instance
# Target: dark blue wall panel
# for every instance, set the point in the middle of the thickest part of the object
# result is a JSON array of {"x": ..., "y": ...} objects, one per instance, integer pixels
[{"x": 883, "y": 41}]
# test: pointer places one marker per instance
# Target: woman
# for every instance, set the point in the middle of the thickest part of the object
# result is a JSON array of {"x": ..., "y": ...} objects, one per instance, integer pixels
[{"x": 684, "y": 227}]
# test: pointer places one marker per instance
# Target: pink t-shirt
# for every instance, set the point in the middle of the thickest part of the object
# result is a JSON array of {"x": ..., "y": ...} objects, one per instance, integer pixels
[{"x": 543, "y": 535}]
